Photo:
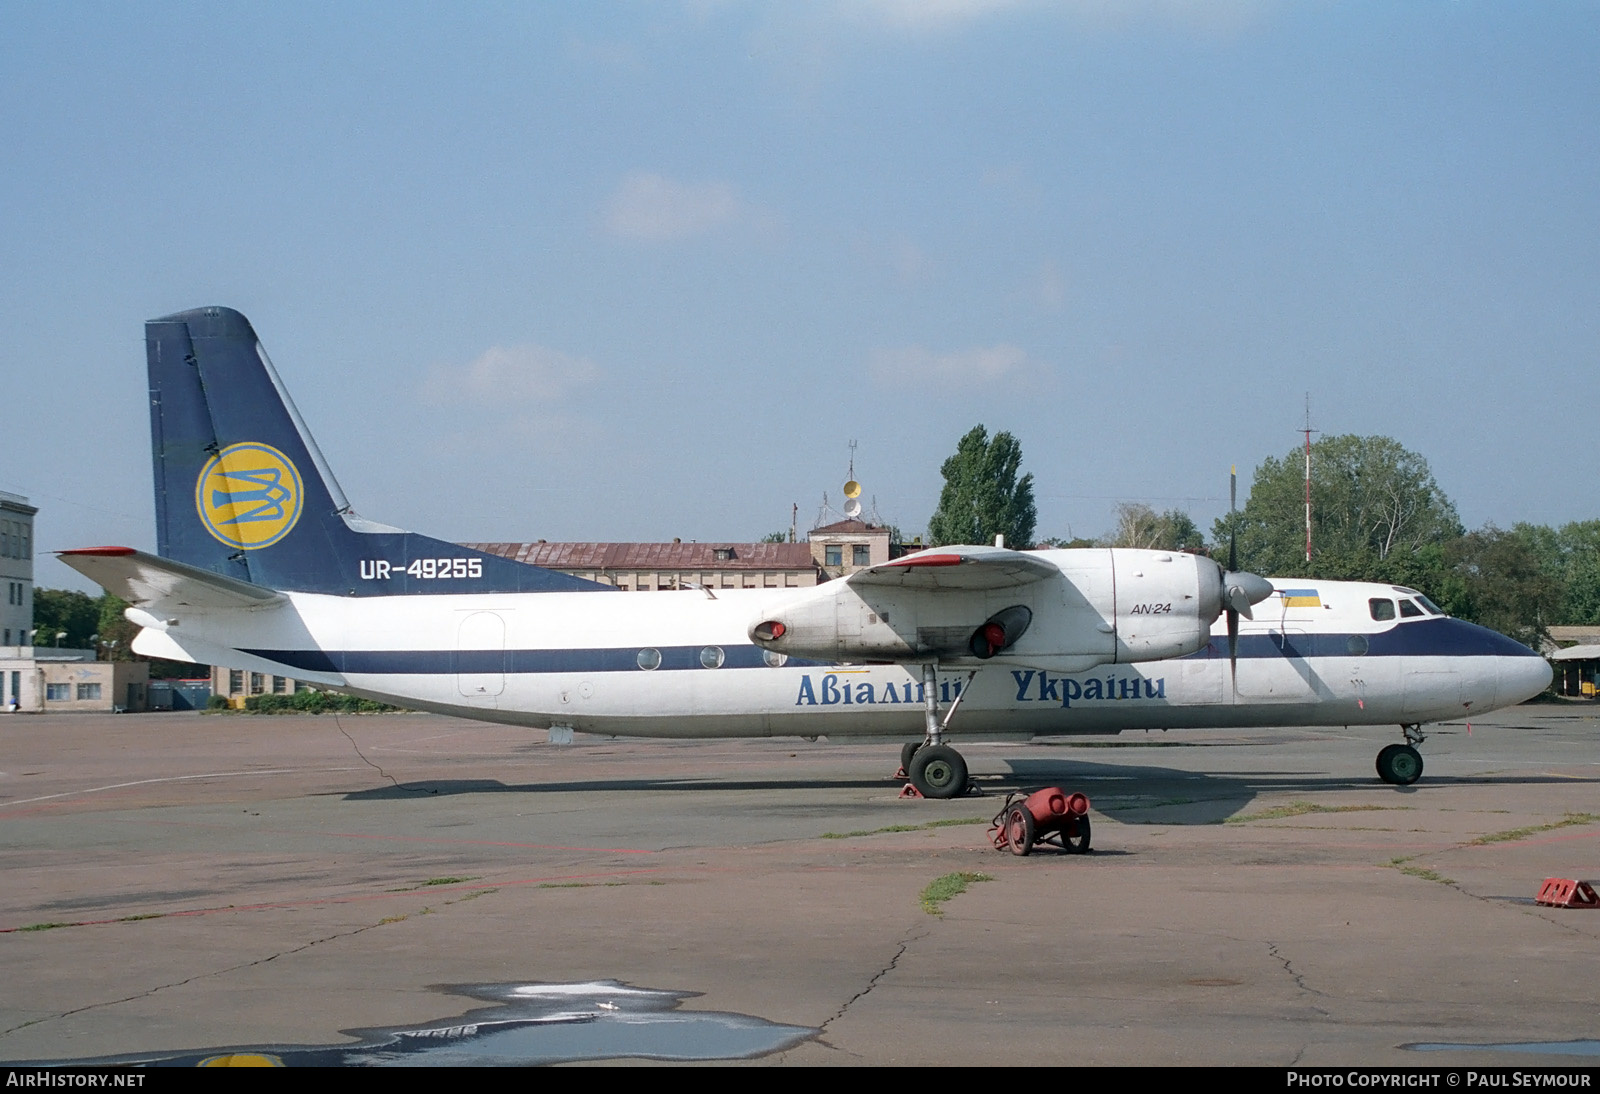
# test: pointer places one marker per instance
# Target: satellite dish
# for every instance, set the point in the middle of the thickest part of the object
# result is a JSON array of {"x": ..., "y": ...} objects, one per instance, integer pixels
[
  {"x": 852, "y": 508},
  {"x": 852, "y": 489}
]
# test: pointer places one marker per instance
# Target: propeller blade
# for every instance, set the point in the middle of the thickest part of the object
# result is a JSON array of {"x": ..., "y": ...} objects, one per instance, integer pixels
[
  {"x": 1233, "y": 518},
  {"x": 1233, "y": 649}
]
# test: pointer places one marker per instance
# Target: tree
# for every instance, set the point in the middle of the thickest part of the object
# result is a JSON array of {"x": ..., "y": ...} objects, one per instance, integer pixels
[
  {"x": 57, "y": 610},
  {"x": 1498, "y": 579},
  {"x": 982, "y": 496},
  {"x": 1138, "y": 525},
  {"x": 1376, "y": 515}
]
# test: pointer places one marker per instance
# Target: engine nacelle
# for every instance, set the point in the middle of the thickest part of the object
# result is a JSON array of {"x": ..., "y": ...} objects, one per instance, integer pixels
[{"x": 1064, "y": 610}]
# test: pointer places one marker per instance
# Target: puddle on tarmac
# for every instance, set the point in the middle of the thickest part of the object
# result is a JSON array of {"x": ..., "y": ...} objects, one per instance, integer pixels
[
  {"x": 1541, "y": 1048},
  {"x": 525, "y": 1024}
]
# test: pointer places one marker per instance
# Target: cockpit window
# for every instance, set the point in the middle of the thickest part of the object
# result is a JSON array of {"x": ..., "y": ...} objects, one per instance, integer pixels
[
  {"x": 1429, "y": 606},
  {"x": 1381, "y": 609},
  {"x": 1408, "y": 610}
]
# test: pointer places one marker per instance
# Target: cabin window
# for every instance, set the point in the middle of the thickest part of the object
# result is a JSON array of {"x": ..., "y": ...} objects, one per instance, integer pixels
[
  {"x": 1382, "y": 609},
  {"x": 773, "y": 658},
  {"x": 649, "y": 659},
  {"x": 1408, "y": 610},
  {"x": 711, "y": 657},
  {"x": 1356, "y": 645}
]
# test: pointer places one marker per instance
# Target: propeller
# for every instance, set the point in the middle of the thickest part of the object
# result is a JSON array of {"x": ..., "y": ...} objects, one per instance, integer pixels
[{"x": 1240, "y": 591}]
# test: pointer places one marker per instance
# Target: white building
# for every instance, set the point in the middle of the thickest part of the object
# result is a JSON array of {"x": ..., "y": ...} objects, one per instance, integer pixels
[{"x": 18, "y": 679}]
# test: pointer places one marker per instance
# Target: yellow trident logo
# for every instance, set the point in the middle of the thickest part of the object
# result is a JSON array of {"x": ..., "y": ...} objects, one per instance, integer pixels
[{"x": 248, "y": 495}]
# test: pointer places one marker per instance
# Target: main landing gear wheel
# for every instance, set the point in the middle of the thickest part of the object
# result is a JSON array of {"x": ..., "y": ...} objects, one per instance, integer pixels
[
  {"x": 938, "y": 771},
  {"x": 1399, "y": 765},
  {"x": 908, "y": 750}
]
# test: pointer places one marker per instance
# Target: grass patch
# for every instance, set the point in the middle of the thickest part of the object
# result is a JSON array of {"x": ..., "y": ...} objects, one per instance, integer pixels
[
  {"x": 1419, "y": 871},
  {"x": 137, "y": 918},
  {"x": 566, "y": 884},
  {"x": 942, "y": 889},
  {"x": 1533, "y": 830},
  {"x": 446, "y": 881},
  {"x": 1300, "y": 809},
  {"x": 906, "y": 827},
  {"x": 43, "y": 927}
]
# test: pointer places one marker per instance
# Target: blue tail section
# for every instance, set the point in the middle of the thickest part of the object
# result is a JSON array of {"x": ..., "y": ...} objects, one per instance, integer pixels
[{"x": 242, "y": 490}]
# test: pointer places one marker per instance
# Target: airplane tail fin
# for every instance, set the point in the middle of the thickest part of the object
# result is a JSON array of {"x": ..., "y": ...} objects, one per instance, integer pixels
[{"x": 243, "y": 491}]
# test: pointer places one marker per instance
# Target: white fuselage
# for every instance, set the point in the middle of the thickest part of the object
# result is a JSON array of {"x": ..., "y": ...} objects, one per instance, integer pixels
[{"x": 583, "y": 660}]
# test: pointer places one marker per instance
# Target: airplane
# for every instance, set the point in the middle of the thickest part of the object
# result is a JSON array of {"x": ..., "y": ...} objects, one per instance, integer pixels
[{"x": 262, "y": 565}]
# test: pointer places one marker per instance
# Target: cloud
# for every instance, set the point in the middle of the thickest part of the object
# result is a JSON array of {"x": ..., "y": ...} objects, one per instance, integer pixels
[
  {"x": 651, "y": 208},
  {"x": 900, "y": 254},
  {"x": 1050, "y": 286},
  {"x": 981, "y": 364},
  {"x": 931, "y": 14},
  {"x": 505, "y": 375}
]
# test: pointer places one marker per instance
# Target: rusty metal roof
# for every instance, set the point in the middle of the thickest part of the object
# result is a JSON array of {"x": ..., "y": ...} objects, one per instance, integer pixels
[
  {"x": 851, "y": 525},
  {"x": 654, "y": 556}
]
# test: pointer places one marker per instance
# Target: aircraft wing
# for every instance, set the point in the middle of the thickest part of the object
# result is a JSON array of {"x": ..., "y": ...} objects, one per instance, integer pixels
[
  {"x": 958, "y": 568},
  {"x": 160, "y": 585}
]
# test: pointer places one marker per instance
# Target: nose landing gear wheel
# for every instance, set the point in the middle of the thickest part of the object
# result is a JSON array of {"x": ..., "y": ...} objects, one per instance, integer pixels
[
  {"x": 1399, "y": 765},
  {"x": 938, "y": 771}
]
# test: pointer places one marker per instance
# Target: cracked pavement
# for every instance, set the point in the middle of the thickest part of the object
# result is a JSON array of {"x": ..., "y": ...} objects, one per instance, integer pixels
[{"x": 186, "y": 883}]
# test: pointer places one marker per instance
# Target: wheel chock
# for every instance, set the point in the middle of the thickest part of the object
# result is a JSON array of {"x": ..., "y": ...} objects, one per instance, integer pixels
[
  {"x": 1560, "y": 892},
  {"x": 900, "y": 773},
  {"x": 910, "y": 791}
]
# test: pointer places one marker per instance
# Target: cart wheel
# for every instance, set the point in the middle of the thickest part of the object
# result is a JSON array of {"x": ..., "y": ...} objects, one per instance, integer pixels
[
  {"x": 1076, "y": 839},
  {"x": 1019, "y": 830}
]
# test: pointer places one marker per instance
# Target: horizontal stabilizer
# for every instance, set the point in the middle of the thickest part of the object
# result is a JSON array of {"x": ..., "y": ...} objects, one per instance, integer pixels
[
  {"x": 959, "y": 568},
  {"x": 160, "y": 585}
]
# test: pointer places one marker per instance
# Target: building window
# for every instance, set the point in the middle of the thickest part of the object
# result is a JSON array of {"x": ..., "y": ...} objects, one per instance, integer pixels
[
  {"x": 257, "y": 684},
  {"x": 235, "y": 682},
  {"x": 833, "y": 555},
  {"x": 58, "y": 693},
  {"x": 88, "y": 691},
  {"x": 723, "y": 554},
  {"x": 277, "y": 685},
  {"x": 861, "y": 555}
]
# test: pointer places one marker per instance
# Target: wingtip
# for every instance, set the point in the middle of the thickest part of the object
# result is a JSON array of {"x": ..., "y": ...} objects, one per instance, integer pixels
[{"x": 102, "y": 552}]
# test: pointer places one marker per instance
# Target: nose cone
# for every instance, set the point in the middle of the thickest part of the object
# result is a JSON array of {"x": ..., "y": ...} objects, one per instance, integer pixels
[{"x": 1521, "y": 678}]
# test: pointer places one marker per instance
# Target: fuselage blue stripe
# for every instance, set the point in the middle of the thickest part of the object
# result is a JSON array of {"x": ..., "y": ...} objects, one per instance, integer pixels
[{"x": 1425, "y": 638}]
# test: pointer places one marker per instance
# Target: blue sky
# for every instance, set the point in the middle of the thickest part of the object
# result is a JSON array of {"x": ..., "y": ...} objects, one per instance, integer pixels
[{"x": 637, "y": 271}]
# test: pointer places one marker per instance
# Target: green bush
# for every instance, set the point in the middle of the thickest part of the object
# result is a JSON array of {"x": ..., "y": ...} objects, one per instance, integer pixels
[{"x": 310, "y": 701}]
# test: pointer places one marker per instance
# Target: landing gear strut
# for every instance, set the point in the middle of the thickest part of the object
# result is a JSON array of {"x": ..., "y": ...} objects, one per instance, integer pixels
[
  {"x": 1401, "y": 765},
  {"x": 936, "y": 769}
]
